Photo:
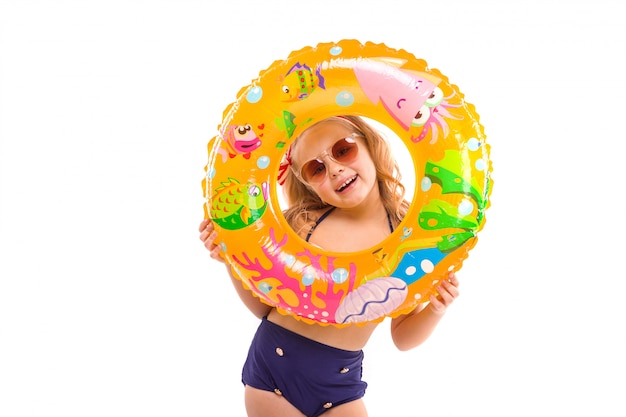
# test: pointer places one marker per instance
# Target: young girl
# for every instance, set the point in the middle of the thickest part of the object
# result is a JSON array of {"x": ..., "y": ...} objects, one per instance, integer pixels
[{"x": 341, "y": 177}]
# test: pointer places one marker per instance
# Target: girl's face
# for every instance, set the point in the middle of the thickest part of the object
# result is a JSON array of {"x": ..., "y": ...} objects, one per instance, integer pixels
[{"x": 343, "y": 184}]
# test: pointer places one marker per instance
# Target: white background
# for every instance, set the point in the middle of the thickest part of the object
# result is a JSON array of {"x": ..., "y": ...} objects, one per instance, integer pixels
[{"x": 109, "y": 304}]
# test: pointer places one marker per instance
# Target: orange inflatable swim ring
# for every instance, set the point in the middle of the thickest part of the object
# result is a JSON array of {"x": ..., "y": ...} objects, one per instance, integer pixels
[{"x": 451, "y": 163}]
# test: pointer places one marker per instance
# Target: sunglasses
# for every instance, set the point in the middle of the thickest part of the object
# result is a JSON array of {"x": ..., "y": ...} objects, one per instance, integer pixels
[{"x": 343, "y": 152}]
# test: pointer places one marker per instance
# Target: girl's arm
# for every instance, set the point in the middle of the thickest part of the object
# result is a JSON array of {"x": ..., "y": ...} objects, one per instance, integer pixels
[
  {"x": 411, "y": 330},
  {"x": 254, "y": 304}
]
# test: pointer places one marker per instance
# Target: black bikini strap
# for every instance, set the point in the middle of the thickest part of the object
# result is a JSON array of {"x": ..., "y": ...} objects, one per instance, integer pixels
[
  {"x": 322, "y": 217},
  {"x": 390, "y": 224}
]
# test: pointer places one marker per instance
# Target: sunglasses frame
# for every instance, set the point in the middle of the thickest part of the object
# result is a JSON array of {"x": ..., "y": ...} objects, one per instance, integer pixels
[{"x": 328, "y": 152}]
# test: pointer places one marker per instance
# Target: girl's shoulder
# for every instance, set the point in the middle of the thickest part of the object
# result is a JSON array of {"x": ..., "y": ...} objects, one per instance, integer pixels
[
  {"x": 318, "y": 213},
  {"x": 303, "y": 219}
]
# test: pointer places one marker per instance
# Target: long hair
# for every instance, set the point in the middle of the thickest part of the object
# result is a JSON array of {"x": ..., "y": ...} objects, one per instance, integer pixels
[{"x": 302, "y": 201}]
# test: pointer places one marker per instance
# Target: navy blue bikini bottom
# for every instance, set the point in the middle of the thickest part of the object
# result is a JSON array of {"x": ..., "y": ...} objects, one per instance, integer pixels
[{"x": 312, "y": 376}]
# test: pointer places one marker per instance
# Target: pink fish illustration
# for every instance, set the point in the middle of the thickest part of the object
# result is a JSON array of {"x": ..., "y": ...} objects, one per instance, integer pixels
[
  {"x": 241, "y": 139},
  {"x": 402, "y": 93}
]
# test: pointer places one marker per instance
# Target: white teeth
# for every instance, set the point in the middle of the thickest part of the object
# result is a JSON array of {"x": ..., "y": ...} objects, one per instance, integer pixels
[{"x": 345, "y": 184}]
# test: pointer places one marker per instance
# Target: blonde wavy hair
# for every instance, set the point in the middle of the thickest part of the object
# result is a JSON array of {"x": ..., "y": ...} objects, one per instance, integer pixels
[{"x": 303, "y": 202}]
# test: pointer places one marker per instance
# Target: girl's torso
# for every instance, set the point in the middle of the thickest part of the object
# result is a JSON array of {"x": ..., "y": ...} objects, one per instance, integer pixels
[
  {"x": 340, "y": 231},
  {"x": 353, "y": 337},
  {"x": 329, "y": 232}
]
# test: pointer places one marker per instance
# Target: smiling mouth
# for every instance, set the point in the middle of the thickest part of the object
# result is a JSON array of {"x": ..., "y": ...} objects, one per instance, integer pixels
[{"x": 346, "y": 184}]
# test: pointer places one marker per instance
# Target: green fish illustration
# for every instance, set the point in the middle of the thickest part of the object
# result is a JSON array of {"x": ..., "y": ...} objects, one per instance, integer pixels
[{"x": 235, "y": 205}]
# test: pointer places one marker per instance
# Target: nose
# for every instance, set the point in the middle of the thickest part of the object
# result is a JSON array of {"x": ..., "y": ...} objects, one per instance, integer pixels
[{"x": 332, "y": 166}]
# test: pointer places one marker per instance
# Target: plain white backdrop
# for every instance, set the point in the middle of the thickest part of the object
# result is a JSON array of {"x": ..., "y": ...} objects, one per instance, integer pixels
[{"x": 109, "y": 304}]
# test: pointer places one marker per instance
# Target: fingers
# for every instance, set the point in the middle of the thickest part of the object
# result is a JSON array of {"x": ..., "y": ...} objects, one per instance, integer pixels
[
  {"x": 208, "y": 236},
  {"x": 203, "y": 224},
  {"x": 453, "y": 279},
  {"x": 205, "y": 229},
  {"x": 448, "y": 291}
]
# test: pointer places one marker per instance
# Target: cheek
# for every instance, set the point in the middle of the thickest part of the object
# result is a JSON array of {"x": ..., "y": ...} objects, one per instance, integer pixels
[
  {"x": 324, "y": 191},
  {"x": 366, "y": 167}
]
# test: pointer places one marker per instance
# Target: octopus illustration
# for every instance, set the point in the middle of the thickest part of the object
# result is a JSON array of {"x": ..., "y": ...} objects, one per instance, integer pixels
[{"x": 431, "y": 116}]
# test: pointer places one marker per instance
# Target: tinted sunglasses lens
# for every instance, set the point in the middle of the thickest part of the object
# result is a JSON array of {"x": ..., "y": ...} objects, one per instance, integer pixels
[
  {"x": 314, "y": 171},
  {"x": 345, "y": 150}
]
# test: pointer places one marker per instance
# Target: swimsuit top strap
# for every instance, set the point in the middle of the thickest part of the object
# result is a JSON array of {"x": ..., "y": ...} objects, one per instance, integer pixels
[
  {"x": 390, "y": 224},
  {"x": 323, "y": 216}
]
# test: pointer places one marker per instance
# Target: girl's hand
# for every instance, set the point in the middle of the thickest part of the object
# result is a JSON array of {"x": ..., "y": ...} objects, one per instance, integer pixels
[
  {"x": 208, "y": 236},
  {"x": 448, "y": 290}
]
